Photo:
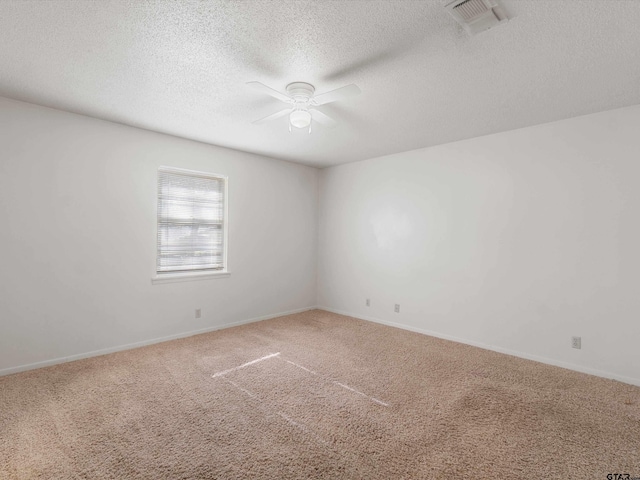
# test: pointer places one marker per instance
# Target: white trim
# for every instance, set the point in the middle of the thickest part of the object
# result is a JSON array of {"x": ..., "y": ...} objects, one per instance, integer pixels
[
  {"x": 129, "y": 346},
  {"x": 527, "y": 356},
  {"x": 225, "y": 226},
  {"x": 195, "y": 173},
  {"x": 188, "y": 276}
]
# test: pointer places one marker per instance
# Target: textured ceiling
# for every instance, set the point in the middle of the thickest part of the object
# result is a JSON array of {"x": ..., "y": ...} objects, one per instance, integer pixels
[{"x": 180, "y": 67}]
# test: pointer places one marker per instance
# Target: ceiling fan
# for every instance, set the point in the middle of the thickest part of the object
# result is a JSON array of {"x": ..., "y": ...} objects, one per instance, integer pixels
[{"x": 302, "y": 102}]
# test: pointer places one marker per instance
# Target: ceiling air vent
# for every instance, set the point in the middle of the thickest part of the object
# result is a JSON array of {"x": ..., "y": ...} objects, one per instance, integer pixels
[{"x": 477, "y": 15}]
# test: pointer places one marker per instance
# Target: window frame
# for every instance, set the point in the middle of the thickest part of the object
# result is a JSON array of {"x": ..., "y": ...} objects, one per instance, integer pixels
[{"x": 197, "y": 274}]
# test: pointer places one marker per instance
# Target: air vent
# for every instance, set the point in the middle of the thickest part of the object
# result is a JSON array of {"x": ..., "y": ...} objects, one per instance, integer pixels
[{"x": 477, "y": 15}]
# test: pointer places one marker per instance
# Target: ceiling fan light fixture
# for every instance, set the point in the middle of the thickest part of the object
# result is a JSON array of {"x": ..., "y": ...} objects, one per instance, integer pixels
[{"x": 300, "y": 118}]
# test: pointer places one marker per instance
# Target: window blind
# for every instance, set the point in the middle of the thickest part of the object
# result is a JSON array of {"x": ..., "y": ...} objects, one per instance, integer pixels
[{"x": 190, "y": 221}]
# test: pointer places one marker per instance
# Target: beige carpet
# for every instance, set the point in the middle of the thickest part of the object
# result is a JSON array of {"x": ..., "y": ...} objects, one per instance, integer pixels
[{"x": 315, "y": 395}]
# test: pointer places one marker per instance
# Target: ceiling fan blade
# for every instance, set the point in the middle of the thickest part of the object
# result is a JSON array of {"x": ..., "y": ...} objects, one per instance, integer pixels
[
  {"x": 322, "y": 118},
  {"x": 337, "y": 94},
  {"x": 273, "y": 116},
  {"x": 261, "y": 87}
]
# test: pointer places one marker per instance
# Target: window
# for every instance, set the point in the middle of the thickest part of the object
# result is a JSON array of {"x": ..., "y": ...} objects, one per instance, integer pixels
[{"x": 191, "y": 222}]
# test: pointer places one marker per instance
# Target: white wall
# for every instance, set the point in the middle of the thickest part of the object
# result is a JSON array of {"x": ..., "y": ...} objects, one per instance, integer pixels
[
  {"x": 78, "y": 237},
  {"x": 515, "y": 241}
]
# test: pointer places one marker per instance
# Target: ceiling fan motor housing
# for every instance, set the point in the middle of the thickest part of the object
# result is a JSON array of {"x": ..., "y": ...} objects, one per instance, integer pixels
[{"x": 301, "y": 91}]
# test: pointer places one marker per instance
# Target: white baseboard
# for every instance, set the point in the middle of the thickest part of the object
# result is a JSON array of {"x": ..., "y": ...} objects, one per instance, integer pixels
[
  {"x": 129, "y": 346},
  {"x": 548, "y": 361}
]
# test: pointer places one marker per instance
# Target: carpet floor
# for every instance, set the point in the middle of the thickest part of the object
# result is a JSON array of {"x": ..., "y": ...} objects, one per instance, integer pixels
[{"x": 315, "y": 395}]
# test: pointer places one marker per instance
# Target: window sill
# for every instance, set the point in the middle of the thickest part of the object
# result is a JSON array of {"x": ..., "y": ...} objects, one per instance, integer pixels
[{"x": 188, "y": 277}]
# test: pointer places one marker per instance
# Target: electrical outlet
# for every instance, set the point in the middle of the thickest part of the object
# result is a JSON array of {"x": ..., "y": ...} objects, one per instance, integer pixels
[
  {"x": 198, "y": 313},
  {"x": 397, "y": 308},
  {"x": 576, "y": 342},
  {"x": 368, "y": 302}
]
